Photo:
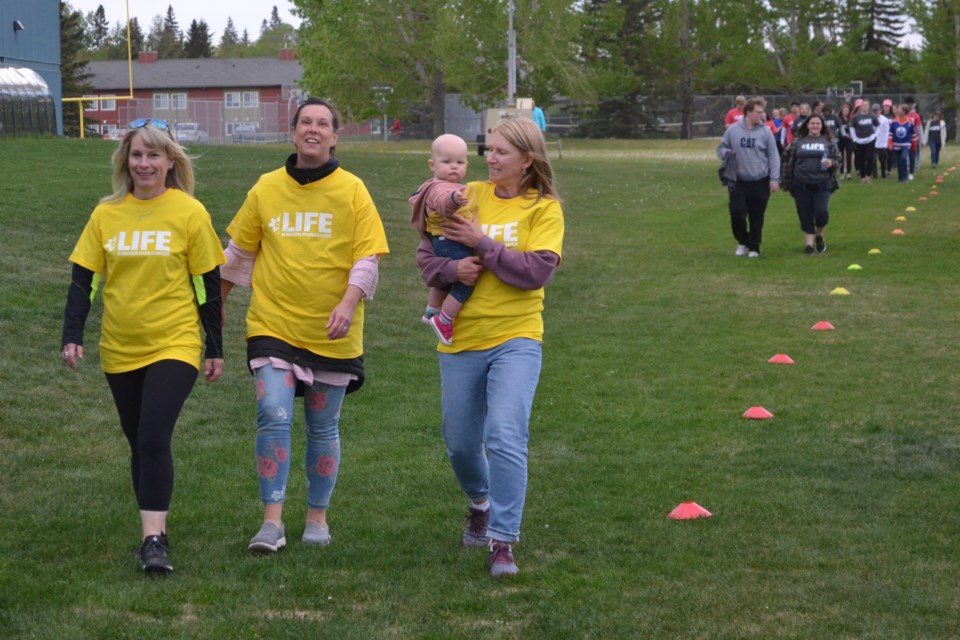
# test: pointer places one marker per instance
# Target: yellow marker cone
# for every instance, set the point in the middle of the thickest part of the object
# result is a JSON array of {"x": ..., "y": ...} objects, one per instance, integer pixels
[
  {"x": 873, "y": 252},
  {"x": 911, "y": 209},
  {"x": 854, "y": 267},
  {"x": 901, "y": 218},
  {"x": 839, "y": 291}
]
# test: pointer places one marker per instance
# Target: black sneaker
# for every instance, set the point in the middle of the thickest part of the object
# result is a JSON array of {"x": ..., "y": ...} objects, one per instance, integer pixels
[
  {"x": 808, "y": 250},
  {"x": 821, "y": 244},
  {"x": 153, "y": 555}
]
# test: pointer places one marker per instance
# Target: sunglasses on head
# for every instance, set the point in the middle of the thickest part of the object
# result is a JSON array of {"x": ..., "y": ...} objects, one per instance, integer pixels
[{"x": 142, "y": 122}]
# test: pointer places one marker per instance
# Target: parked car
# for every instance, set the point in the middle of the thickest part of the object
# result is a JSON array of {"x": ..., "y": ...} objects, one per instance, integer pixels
[
  {"x": 115, "y": 134},
  {"x": 190, "y": 133},
  {"x": 248, "y": 133}
]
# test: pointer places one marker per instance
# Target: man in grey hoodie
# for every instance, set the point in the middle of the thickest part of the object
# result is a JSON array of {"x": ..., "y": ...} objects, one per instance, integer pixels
[{"x": 758, "y": 175}]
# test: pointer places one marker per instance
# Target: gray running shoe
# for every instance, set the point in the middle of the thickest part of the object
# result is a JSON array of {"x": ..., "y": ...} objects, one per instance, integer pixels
[
  {"x": 475, "y": 533},
  {"x": 153, "y": 555},
  {"x": 316, "y": 534},
  {"x": 501, "y": 560},
  {"x": 269, "y": 539}
]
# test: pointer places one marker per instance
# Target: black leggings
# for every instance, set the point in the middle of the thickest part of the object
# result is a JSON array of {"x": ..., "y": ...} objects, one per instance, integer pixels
[
  {"x": 864, "y": 158},
  {"x": 149, "y": 401},
  {"x": 846, "y": 155}
]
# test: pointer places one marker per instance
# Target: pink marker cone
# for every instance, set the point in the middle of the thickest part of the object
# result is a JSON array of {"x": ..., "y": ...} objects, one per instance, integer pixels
[
  {"x": 757, "y": 413},
  {"x": 823, "y": 325},
  {"x": 781, "y": 358},
  {"x": 688, "y": 511}
]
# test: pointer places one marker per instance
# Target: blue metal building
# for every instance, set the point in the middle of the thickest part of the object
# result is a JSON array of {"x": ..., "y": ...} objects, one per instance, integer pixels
[{"x": 30, "y": 81}]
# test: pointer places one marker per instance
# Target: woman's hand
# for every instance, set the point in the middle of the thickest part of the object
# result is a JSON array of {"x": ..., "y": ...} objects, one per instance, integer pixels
[
  {"x": 459, "y": 229},
  {"x": 338, "y": 325},
  {"x": 469, "y": 270},
  {"x": 72, "y": 354},
  {"x": 212, "y": 368}
]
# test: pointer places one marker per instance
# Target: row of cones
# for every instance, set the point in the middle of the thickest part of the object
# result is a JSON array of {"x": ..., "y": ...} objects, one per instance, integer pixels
[{"x": 692, "y": 510}]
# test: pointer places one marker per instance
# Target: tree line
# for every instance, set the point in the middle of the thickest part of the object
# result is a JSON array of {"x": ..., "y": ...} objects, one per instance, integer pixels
[
  {"x": 611, "y": 59},
  {"x": 103, "y": 41}
]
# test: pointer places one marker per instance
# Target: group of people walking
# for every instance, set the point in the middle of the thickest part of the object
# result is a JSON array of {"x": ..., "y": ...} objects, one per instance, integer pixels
[
  {"x": 307, "y": 241},
  {"x": 808, "y": 151}
]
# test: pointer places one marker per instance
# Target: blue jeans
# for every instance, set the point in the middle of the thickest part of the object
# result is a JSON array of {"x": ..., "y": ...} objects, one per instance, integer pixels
[
  {"x": 903, "y": 163},
  {"x": 444, "y": 248},
  {"x": 275, "y": 394},
  {"x": 486, "y": 401},
  {"x": 934, "y": 151}
]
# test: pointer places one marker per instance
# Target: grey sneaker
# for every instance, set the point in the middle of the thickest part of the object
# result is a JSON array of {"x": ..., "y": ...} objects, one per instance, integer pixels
[
  {"x": 501, "y": 560},
  {"x": 269, "y": 539},
  {"x": 153, "y": 555},
  {"x": 475, "y": 533},
  {"x": 316, "y": 534}
]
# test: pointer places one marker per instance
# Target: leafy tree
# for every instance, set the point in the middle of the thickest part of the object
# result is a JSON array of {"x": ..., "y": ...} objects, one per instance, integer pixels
[
  {"x": 74, "y": 76},
  {"x": 936, "y": 67},
  {"x": 98, "y": 27},
  {"x": 370, "y": 55},
  {"x": 199, "y": 41}
]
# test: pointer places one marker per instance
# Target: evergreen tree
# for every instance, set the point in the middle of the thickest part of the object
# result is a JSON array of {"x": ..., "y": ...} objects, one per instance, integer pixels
[
  {"x": 74, "y": 76},
  {"x": 171, "y": 40},
  {"x": 199, "y": 41},
  {"x": 229, "y": 46},
  {"x": 275, "y": 20},
  {"x": 885, "y": 24},
  {"x": 98, "y": 26}
]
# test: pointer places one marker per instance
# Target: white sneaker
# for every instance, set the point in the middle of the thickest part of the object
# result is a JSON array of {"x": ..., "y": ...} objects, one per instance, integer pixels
[
  {"x": 911, "y": 176},
  {"x": 741, "y": 250},
  {"x": 753, "y": 254}
]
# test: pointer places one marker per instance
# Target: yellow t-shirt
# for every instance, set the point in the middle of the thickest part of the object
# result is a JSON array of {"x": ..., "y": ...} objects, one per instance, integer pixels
[
  {"x": 497, "y": 312},
  {"x": 149, "y": 250},
  {"x": 307, "y": 238}
]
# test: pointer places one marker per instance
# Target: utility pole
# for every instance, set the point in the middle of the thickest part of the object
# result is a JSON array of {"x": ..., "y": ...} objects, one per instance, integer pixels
[{"x": 511, "y": 57}]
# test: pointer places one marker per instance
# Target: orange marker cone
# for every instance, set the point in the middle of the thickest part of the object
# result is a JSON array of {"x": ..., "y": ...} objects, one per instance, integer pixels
[
  {"x": 688, "y": 511},
  {"x": 923, "y": 198},
  {"x": 898, "y": 232},
  {"x": 823, "y": 325},
  {"x": 781, "y": 358},
  {"x": 933, "y": 193},
  {"x": 757, "y": 413}
]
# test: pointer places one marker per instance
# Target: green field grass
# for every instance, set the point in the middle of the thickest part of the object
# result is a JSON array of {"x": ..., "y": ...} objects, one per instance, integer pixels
[{"x": 838, "y": 518}]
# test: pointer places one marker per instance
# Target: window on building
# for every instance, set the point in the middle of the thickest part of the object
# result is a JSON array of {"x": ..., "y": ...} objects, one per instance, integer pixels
[
  {"x": 251, "y": 99},
  {"x": 231, "y": 99},
  {"x": 107, "y": 103},
  {"x": 91, "y": 105},
  {"x": 178, "y": 101},
  {"x": 161, "y": 101}
]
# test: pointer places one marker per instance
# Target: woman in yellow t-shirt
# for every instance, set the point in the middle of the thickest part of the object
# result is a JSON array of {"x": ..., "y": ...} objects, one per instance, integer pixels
[
  {"x": 156, "y": 247},
  {"x": 307, "y": 240},
  {"x": 489, "y": 375}
]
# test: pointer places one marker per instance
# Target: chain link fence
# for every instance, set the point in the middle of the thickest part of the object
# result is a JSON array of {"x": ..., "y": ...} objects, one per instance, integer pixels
[{"x": 270, "y": 121}]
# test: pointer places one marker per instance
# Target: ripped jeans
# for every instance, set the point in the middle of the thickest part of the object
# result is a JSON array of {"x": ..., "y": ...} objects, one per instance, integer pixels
[{"x": 275, "y": 396}]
